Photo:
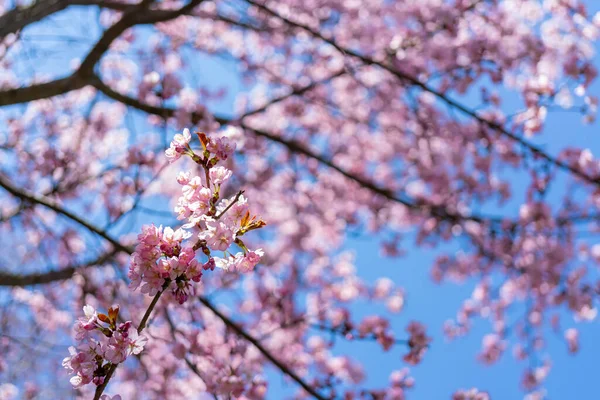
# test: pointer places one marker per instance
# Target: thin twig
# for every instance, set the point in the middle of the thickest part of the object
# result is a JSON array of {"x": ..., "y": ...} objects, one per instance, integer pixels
[
  {"x": 235, "y": 200},
  {"x": 140, "y": 328}
]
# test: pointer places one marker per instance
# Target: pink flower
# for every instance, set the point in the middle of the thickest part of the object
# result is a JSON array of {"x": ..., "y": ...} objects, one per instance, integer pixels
[
  {"x": 199, "y": 203},
  {"x": 134, "y": 275},
  {"x": 8, "y": 391},
  {"x": 86, "y": 324},
  {"x": 194, "y": 202},
  {"x": 108, "y": 397},
  {"x": 229, "y": 263},
  {"x": 152, "y": 281},
  {"x": 136, "y": 342},
  {"x": 219, "y": 174},
  {"x": 113, "y": 344},
  {"x": 471, "y": 394},
  {"x": 417, "y": 342},
  {"x": 222, "y": 147},
  {"x": 209, "y": 265},
  {"x": 82, "y": 364},
  {"x": 147, "y": 252},
  {"x": 182, "y": 291},
  {"x": 150, "y": 236},
  {"x": 115, "y": 351},
  {"x": 179, "y": 145},
  {"x": 218, "y": 235},
  {"x": 191, "y": 187},
  {"x": 395, "y": 302},
  {"x": 172, "y": 239},
  {"x": 237, "y": 211},
  {"x": 184, "y": 177},
  {"x": 383, "y": 287},
  {"x": 181, "y": 141},
  {"x": 493, "y": 347},
  {"x": 172, "y": 155},
  {"x": 124, "y": 342},
  {"x": 170, "y": 86},
  {"x": 193, "y": 267},
  {"x": 235, "y": 134},
  {"x": 249, "y": 261},
  {"x": 572, "y": 337}
]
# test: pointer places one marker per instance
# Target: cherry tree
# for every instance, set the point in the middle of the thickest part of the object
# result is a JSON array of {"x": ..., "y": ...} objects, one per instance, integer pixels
[{"x": 159, "y": 247}]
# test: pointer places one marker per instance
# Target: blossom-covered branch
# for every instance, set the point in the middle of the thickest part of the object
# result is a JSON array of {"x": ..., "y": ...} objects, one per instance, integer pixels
[{"x": 165, "y": 260}]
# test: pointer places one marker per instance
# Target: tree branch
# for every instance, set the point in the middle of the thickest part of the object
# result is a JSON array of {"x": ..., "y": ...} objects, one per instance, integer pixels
[
  {"x": 535, "y": 150},
  {"x": 100, "y": 388},
  {"x": 7, "y": 279},
  {"x": 84, "y": 75},
  {"x": 41, "y": 90},
  {"x": 297, "y": 148},
  {"x": 18, "y": 18},
  {"x": 241, "y": 332},
  {"x": 295, "y": 92},
  {"x": 53, "y": 205}
]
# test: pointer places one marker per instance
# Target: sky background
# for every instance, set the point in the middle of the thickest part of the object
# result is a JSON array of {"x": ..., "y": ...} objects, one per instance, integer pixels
[{"x": 447, "y": 366}]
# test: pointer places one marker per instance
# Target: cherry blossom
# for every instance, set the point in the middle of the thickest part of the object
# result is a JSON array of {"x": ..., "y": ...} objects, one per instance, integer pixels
[
  {"x": 107, "y": 342},
  {"x": 428, "y": 127},
  {"x": 161, "y": 261},
  {"x": 179, "y": 145}
]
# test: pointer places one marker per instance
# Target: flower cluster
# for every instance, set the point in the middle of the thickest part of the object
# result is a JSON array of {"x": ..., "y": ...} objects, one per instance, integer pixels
[
  {"x": 378, "y": 328},
  {"x": 165, "y": 258},
  {"x": 470, "y": 394},
  {"x": 161, "y": 257},
  {"x": 179, "y": 146},
  {"x": 102, "y": 343},
  {"x": 418, "y": 343},
  {"x": 221, "y": 147}
]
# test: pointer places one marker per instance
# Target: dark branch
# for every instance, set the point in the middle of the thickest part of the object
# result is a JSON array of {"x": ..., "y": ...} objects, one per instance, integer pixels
[
  {"x": 41, "y": 91},
  {"x": 535, "y": 150},
  {"x": 84, "y": 75},
  {"x": 18, "y": 18},
  {"x": 297, "y": 148},
  {"x": 295, "y": 92},
  {"x": 241, "y": 332},
  {"x": 53, "y": 205},
  {"x": 7, "y": 279}
]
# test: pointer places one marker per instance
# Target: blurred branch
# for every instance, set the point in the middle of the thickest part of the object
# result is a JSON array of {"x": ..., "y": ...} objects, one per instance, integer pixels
[
  {"x": 241, "y": 332},
  {"x": 297, "y": 148},
  {"x": 18, "y": 18},
  {"x": 295, "y": 92},
  {"x": 188, "y": 362},
  {"x": 7, "y": 279},
  {"x": 342, "y": 332},
  {"x": 535, "y": 150},
  {"x": 41, "y": 90},
  {"x": 53, "y": 205},
  {"x": 83, "y": 76},
  {"x": 237, "y": 23}
]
